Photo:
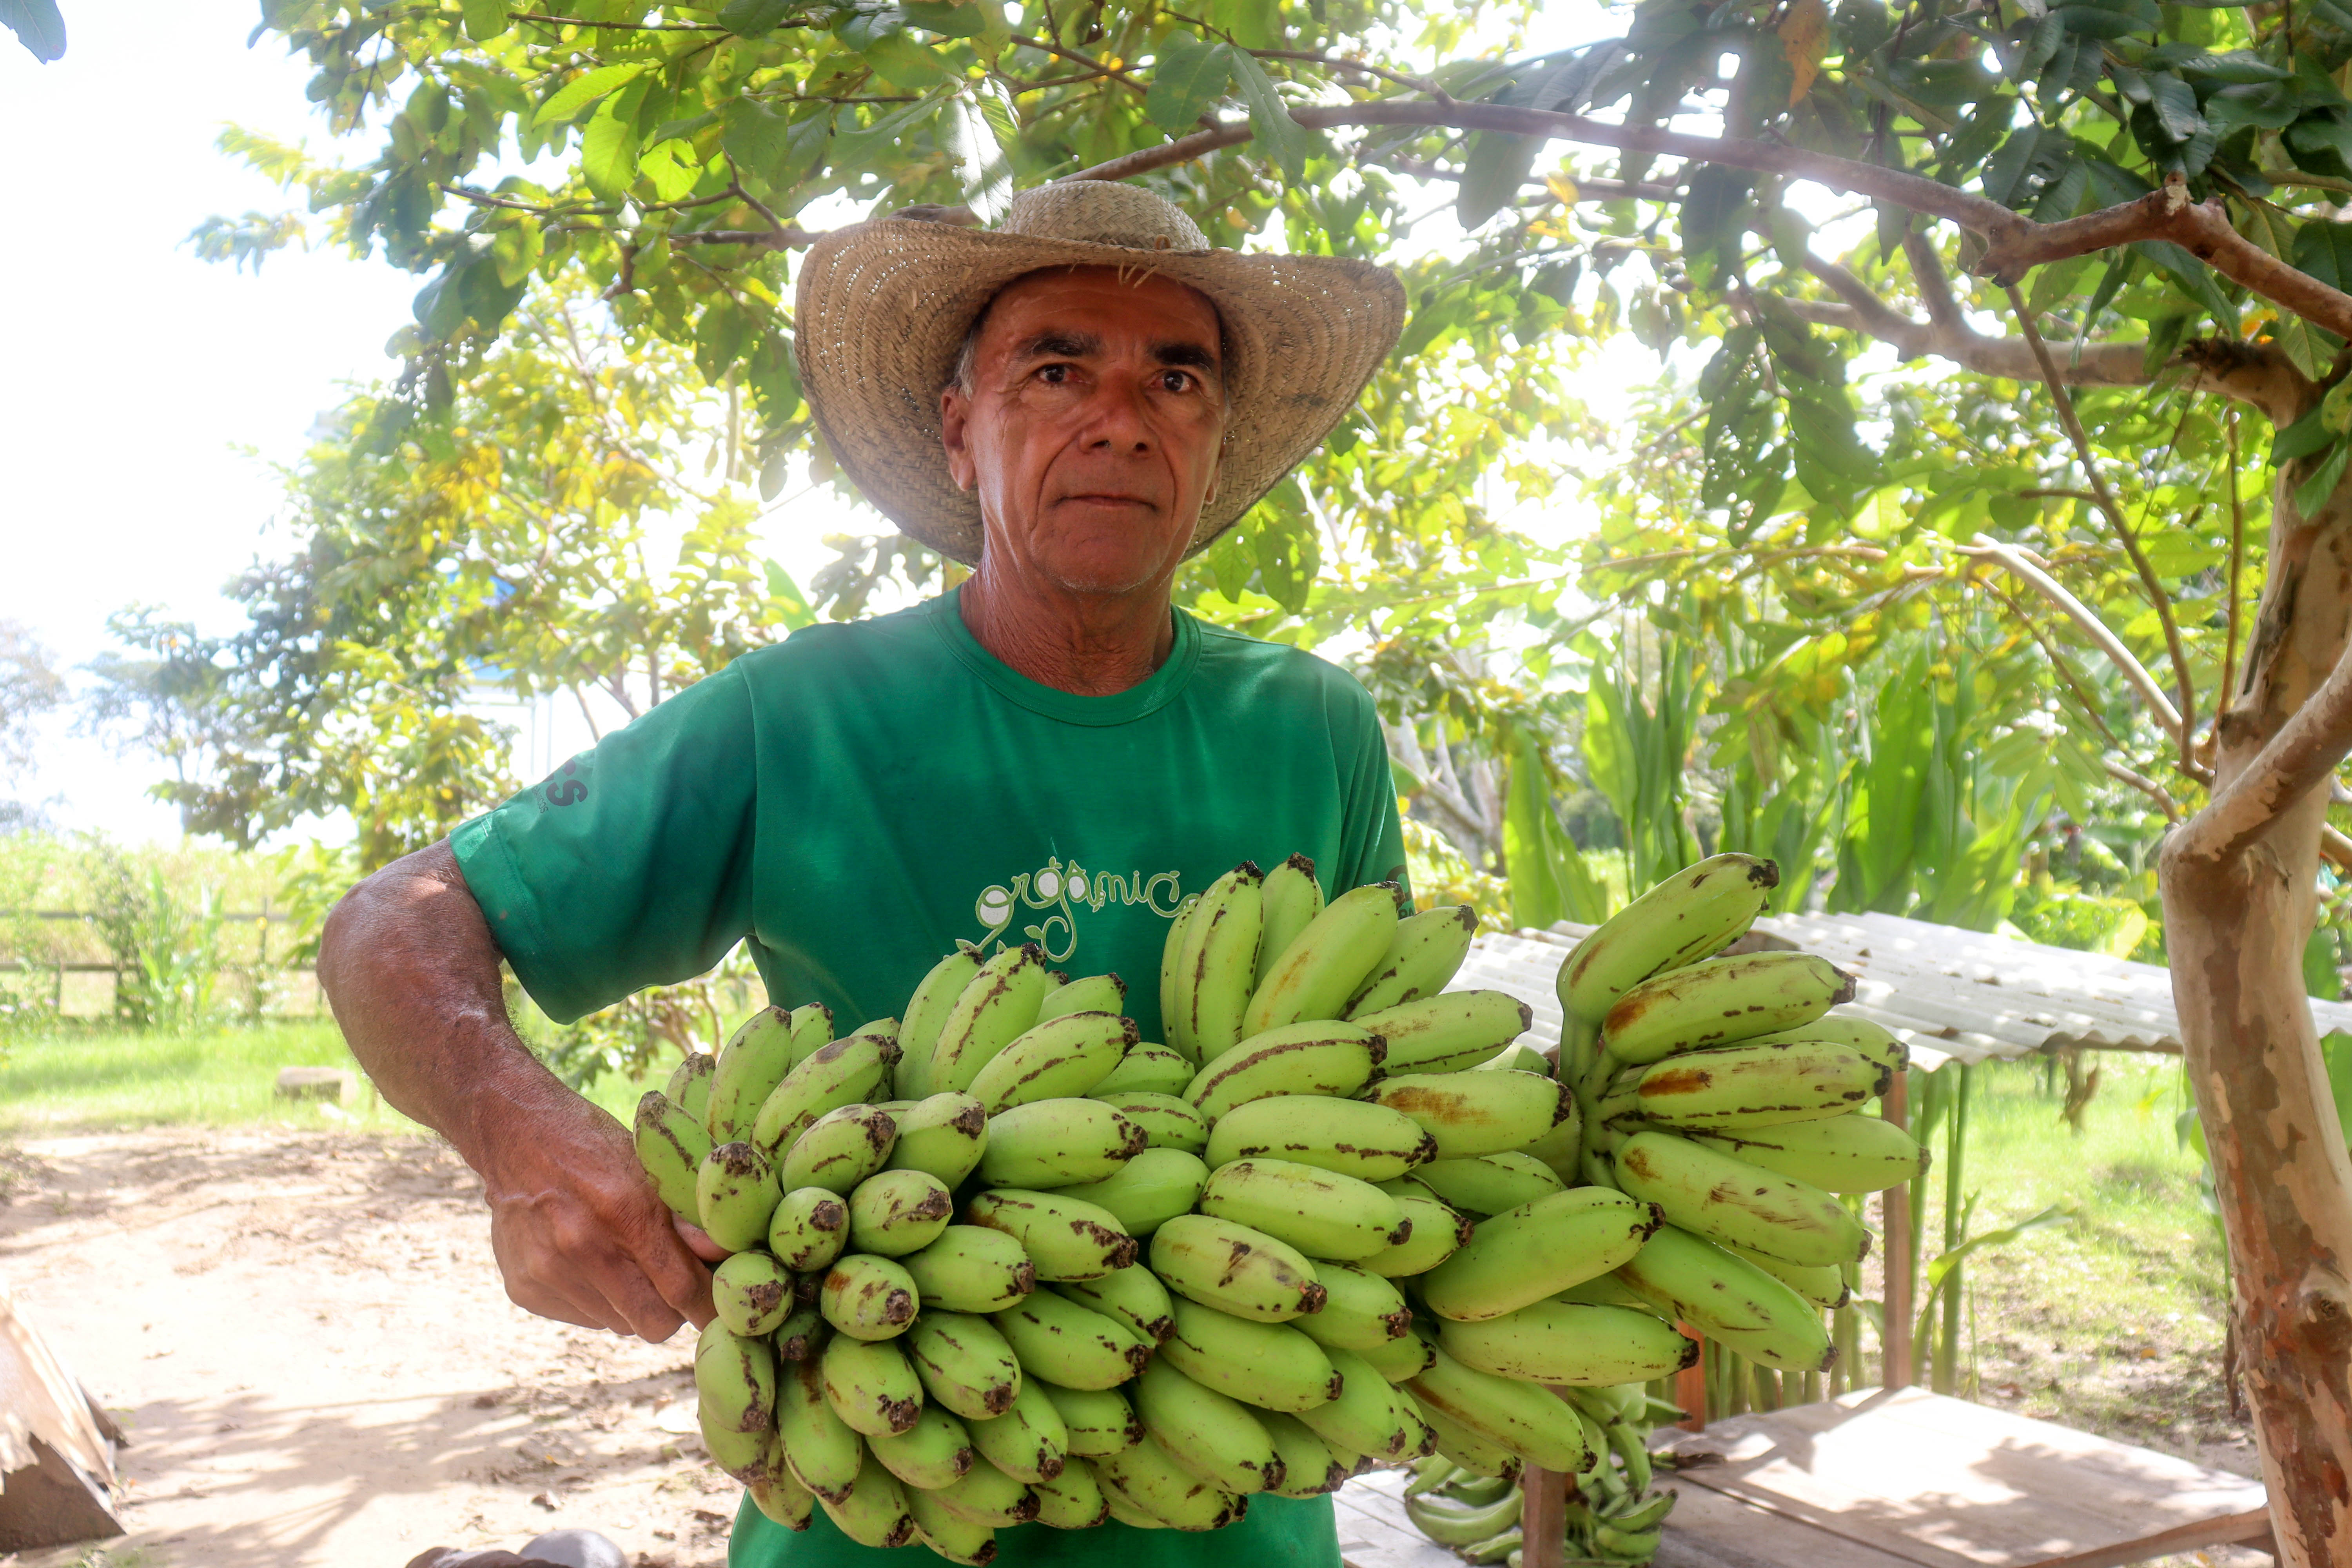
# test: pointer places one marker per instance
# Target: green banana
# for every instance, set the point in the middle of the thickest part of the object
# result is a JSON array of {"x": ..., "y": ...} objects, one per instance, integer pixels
[
  {"x": 1502, "y": 1548},
  {"x": 1473, "y": 1114},
  {"x": 870, "y": 1385},
  {"x": 1028, "y": 1442},
  {"x": 1235, "y": 1269},
  {"x": 970, "y": 1268},
  {"x": 801, "y": 1334},
  {"x": 1065, "y": 1343},
  {"x": 932, "y": 1453},
  {"x": 893, "y": 1213},
  {"x": 1212, "y": 1436},
  {"x": 752, "y": 1293},
  {"x": 1556, "y": 1342},
  {"x": 849, "y": 1071},
  {"x": 1361, "y": 1312},
  {"x": 1292, "y": 898},
  {"x": 808, "y": 1229},
  {"x": 1099, "y": 1420},
  {"x": 1646, "y": 1514},
  {"x": 1538, "y": 1250},
  {"x": 839, "y": 1149},
  {"x": 1167, "y": 1490},
  {"x": 1761, "y": 1086},
  {"x": 1488, "y": 1184},
  {"x": 1561, "y": 1150},
  {"x": 1626, "y": 1545},
  {"x": 1166, "y": 1122},
  {"x": 1420, "y": 960},
  {"x": 964, "y": 1364},
  {"x": 1321, "y": 1213},
  {"x": 1124, "y": 1509},
  {"x": 1516, "y": 1058},
  {"x": 875, "y": 1512},
  {"x": 1152, "y": 1188},
  {"x": 671, "y": 1146},
  {"x": 1318, "y": 1058},
  {"x": 927, "y": 1014},
  {"x": 1065, "y": 1237},
  {"x": 781, "y": 1497},
  {"x": 1687, "y": 917},
  {"x": 1687, "y": 1279},
  {"x": 1065, "y": 1142},
  {"x": 997, "y": 1007},
  {"x": 947, "y": 1533},
  {"x": 1518, "y": 1417},
  {"x": 1822, "y": 1284},
  {"x": 735, "y": 1191},
  {"x": 1347, "y": 1137},
  {"x": 1726, "y": 1200},
  {"x": 1090, "y": 994},
  {"x": 747, "y": 1455},
  {"x": 943, "y": 1135},
  {"x": 810, "y": 1032},
  {"x": 986, "y": 1495},
  {"x": 750, "y": 1064},
  {"x": 735, "y": 1379},
  {"x": 1133, "y": 1295},
  {"x": 1147, "y": 1068},
  {"x": 1720, "y": 1001},
  {"x": 1460, "y": 1527},
  {"x": 1309, "y": 1467},
  {"x": 1173, "y": 1008},
  {"x": 688, "y": 1088},
  {"x": 1400, "y": 1359},
  {"x": 1431, "y": 1473},
  {"x": 1876, "y": 1041},
  {"x": 1365, "y": 1416},
  {"x": 820, "y": 1447},
  {"x": 1063, "y": 1055},
  {"x": 1839, "y": 1154},
  {"x": 1328, "y": 961},
  {"x": 1071, "y": 1500},
  {"x": 1437, "y": 1232},
  {"x": 1605, "y": 1289},
  {"x": 869, "y": 1298},
  {"x": 1448, "y": 1032},
  {"x": 1464, "y": 1446},
  {"x": 1219, "y": 959},
  {"x": 1271, "y": 1365}
]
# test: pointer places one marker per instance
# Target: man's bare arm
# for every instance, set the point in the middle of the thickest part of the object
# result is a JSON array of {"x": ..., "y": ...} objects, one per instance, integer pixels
[{"x": 412, "y": 970}]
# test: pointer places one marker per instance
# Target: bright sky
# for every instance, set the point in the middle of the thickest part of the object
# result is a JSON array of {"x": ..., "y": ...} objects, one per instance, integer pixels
[{"x": 148, "y": 393}]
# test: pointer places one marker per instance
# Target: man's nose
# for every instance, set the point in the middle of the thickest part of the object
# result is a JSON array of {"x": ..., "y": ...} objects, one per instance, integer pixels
[{"x": 1117, "y": 418}]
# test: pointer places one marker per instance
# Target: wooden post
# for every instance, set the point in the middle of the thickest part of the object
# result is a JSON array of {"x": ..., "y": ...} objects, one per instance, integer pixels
[
  {"x": 1690, "y": 1385},
  {"x": 1894, "y": 1250},
  {"x": 1543, "y": 1518}
]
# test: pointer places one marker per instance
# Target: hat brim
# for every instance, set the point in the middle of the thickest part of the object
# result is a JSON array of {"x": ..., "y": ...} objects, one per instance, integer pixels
[{"x": 882, "y": 309}]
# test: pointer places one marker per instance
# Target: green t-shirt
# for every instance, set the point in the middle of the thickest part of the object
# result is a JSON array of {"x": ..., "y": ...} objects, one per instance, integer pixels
[{"x": 854, "y": 800}]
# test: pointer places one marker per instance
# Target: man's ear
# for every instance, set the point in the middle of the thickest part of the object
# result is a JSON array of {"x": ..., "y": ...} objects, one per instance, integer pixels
[{"x": 955, "y": 415}]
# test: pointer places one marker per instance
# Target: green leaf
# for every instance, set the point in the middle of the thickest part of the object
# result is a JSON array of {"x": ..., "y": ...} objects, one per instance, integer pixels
[
  {"x": 485, "y": 19},
  {"x": 608, "y": 152},
  {"x": 1496, "y": 166},
  {"x": 2300, "y": 439},
  {"x": 38, "y": 26},
  {"x": 757, "y": 138},
  {"x": 2194, "y": 278},
  {"x": 1283, "y": 138},
  {"x": 964, "y": 21},
  {"x": 2312, "y": 493},
  {"x": 1187, "y": 79},
  {"x": 584, "y": 89},
  {"x": 906, "y": 65},
  {"x": 2323, "y": 249},
  {"x": 754, "y": 18},
  {"x": 1712, "y": 222},
  {"x": 2175, "y": 103},
  {"x": 785, "y": 599}
]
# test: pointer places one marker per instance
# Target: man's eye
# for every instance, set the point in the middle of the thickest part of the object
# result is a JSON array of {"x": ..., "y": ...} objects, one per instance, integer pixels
[
  {"x": 1054, "y": 375},
  {"x": 1175, "y": 379}
]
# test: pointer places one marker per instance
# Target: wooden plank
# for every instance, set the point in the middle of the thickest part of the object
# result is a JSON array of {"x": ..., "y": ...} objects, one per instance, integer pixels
[
  {"x": 1710, "y": 1530},
  {"x": 1945, "y": 1483},
  {"x": 1895, "y": 1210},
  {"x": 2250, "y": 1527},
  {"x": 1373, "y": 1529}
]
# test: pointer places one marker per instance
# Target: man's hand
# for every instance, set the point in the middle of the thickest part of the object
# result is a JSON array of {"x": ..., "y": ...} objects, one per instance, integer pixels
[
  {"x": 410, "y": 966},
  {"x": 581, "y": 1237}
]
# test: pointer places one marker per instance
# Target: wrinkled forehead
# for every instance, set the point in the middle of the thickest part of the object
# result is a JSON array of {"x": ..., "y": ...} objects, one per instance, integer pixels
[{"x": 1146, "y": 302}]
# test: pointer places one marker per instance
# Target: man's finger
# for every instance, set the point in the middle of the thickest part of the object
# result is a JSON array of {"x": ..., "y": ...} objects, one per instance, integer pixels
[{"x": 698, "y": 1240}]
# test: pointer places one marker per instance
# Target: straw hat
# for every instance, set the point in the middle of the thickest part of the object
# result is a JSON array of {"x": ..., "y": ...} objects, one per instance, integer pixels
[{"x": 884, "y": 306}]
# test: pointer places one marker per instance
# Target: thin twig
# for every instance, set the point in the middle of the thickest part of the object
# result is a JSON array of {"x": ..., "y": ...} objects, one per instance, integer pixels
[
  {"x": 2097, "y": 630},
  {"x": 2184, "y": 722},
  {"x": 1044, "y": 47},
  {"x": 636, "y": 27}
]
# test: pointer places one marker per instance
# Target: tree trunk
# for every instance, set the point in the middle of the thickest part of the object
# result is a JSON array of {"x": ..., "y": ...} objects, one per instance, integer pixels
[{"x": 2235, "y": 924}]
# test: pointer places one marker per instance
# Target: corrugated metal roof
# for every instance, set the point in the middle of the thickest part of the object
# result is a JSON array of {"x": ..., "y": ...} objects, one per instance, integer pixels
[{"x": 1951, "y": 995}]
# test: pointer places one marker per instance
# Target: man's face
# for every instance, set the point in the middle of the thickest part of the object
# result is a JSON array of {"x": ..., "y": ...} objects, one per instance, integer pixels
[{"x": 1092, "y": 429}]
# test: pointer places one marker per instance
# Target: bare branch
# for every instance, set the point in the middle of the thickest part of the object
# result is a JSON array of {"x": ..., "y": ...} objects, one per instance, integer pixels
[
  {"x": 2184, "y": 723},
  {"x": 2075, "y": 610},
  {"x": 1048, "y": 47},
  {"x": 2301, "y": 757},
  {"x": 2147, "y": 786}
]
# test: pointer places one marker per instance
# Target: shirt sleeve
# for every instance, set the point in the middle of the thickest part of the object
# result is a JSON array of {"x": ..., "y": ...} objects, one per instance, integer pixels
[{"x": 630, "y": 865}]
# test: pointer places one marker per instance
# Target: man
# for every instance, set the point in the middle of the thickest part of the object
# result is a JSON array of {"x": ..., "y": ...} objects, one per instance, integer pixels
[{"x": 1075, "y": 402}]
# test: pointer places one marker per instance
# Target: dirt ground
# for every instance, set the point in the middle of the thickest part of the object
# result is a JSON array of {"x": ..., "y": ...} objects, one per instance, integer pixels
[{"x": 306, "y": 1339}]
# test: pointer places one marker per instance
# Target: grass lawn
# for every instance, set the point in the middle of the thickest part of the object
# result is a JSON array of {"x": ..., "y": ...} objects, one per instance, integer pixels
[{"x": 90, "y": 1079}]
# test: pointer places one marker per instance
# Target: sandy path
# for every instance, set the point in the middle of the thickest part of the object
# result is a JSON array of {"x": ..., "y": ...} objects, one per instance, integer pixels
[{"x": 306, "y": 1336}]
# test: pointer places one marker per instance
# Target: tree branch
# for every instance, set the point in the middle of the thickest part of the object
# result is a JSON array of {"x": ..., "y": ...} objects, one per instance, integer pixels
[
  {"x": 2185, "y": 722},
  {"x": 2147, "y": 786},
  {"x": 2301, "y": 757},
  {"x": 2075, "y": 610}
]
